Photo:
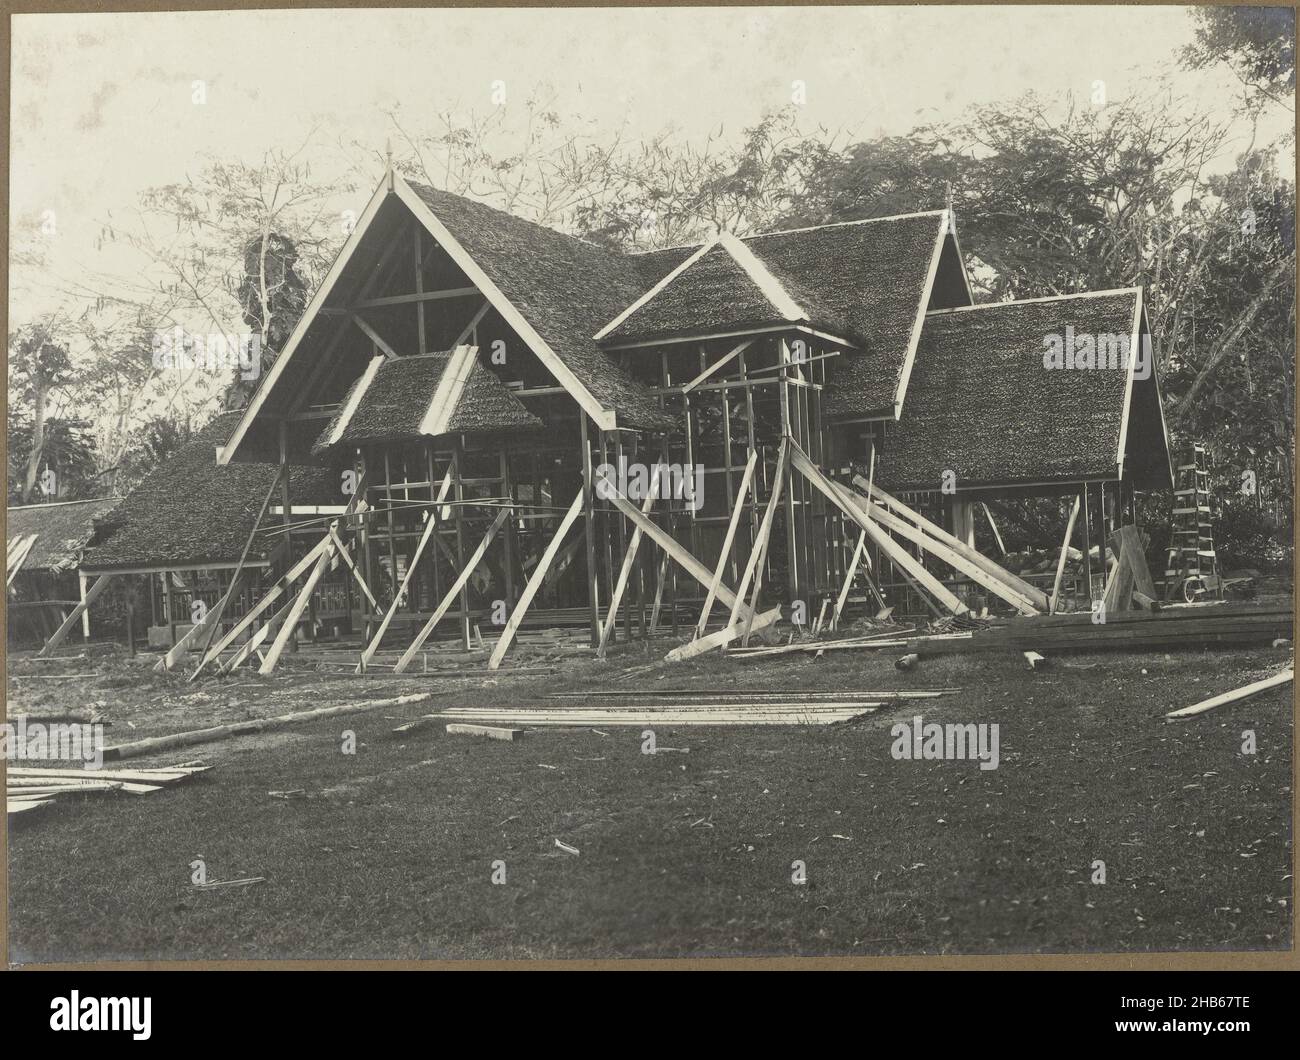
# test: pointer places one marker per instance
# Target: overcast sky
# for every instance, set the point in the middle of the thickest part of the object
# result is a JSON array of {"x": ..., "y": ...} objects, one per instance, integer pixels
[{"x": 102, "y": 104}]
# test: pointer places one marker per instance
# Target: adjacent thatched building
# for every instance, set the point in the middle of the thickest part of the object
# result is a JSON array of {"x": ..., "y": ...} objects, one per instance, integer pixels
[{"x": 45, "y": 546}]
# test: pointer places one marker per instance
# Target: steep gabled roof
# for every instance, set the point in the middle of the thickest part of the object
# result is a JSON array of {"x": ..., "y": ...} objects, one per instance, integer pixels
[
  {"x": 394, "y": 399},
  {"x": 876, "y": 275},
  {"x": 982, "y": 405},
  {"x": 866, "y": 282},
  {"x": 191, "y": 511},
  {"x": 62, "y": 530},
  {"x": 554, "y": 290},
  {"x": 564, "y": 289},
  {"x": 723, "y": 286}
]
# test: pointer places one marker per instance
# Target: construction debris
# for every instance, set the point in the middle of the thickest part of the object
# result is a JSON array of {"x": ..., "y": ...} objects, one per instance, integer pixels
[
  {"x": 1235, "y": 696},
  {"x": 1177, "y": 626},
  {"x": 490, "y": 732},
  {"x": 759, "y": 712},
  {"x": 28, "y": 787},
  {"x": 244, "y": 728}
]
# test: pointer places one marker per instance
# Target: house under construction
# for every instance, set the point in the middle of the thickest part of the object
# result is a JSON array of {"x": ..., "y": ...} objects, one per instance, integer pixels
[{"x": 521, "y": 428}]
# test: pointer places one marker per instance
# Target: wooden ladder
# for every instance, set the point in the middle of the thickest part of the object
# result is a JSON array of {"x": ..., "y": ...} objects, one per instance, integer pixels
[{"x": 1191, "y": 566}]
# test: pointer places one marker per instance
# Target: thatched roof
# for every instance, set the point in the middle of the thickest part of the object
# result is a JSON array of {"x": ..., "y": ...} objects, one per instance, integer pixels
[
  {"x": 190, "y": 511},
  {"x": 565, "y": 287},
  {"x": 392, "y": 404},
  {"x": 867, "y": 282},
  {"x": 62, "y": 530},
  {"x": 982, "y": 405},
  {"x": 723, "y": 287}
]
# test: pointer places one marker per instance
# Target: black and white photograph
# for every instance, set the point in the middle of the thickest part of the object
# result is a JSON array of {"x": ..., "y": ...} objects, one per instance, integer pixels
[{"x": 675, "y": 484}]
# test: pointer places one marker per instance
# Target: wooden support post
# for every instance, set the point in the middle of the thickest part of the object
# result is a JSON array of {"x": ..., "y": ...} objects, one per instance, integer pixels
[
  {"x": 858, "y": 553},
  {"x": 534, "y": 583},
  {"x": 82, "y": 582},
  {"x": 511, "y": 549},
  {"x": 169, "y": 601},
  {"x": 286, "y": 501},
  {"x": 997, "y": 537},
  {"x": 758, "y": 551},
  {"x": 787, "y": 431},
  {"x": 894, "y": 511},
  {"x": 455, "y": 590},
  {"x": 684, "y": 559},
  {"x": 419, "y": 288},
  {"x": 292, "y": 575},
  {"x": 724, "y": 556},
  {"x": 281, "y": 472},
  {"x": 296, "y": 610},
  {"x": 629, "y": 558},
  {"x": 1060, "y": 563},
  {"x": 588, "y": 513},
  {"x": 854, "y": 507},
  {"x": 100, "y": 584},
  {"x": 458, "y": 456},
  {"x": 1087, "y": 547}
]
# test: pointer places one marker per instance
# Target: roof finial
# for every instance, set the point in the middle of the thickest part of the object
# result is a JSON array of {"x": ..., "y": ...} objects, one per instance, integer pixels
[
  {"x": 388, "y": 163},
  {"x": 947, "y": 195}
]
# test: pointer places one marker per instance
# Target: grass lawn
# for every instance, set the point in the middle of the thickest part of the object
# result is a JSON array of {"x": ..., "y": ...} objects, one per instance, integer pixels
[{"x": 391, "y": 851}]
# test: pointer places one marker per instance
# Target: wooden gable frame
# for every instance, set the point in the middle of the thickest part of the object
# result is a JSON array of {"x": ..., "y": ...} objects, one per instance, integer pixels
[{"x": 393, "y": 184}]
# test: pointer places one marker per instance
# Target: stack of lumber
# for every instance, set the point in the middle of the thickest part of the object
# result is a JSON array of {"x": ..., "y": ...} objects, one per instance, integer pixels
[
  {"x": 31, "y": 788},
  {"x": 1191, "y": 626},
  {"x": 687, "y": 707},
  {"x": 886, "y": 639}
]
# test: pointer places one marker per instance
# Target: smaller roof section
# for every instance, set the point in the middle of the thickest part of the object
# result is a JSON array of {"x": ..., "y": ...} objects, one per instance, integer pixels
[
  {"x": 61, "y": 529},
  {"x": 425, "y": 396},
  {"x": 723, "y": 286},
  {"x": 191, "y": 511},
  {"x": 995, "y": 399}
]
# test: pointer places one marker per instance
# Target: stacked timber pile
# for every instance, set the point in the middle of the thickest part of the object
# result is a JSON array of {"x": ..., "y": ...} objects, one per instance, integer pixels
[
  {"x": 1191, "y": 626},
  {"x": 28, "y": 789}
]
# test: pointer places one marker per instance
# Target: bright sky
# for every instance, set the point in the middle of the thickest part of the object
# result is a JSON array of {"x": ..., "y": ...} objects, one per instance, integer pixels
[{"x": 102, "y": 103}]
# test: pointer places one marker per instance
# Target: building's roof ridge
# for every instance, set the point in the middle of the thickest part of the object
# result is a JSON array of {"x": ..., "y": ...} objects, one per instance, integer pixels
[
  {"x": 58, "y": 504},
  {"x": 795, "y": 231},
  {"x": 1110, "y": 291},
  {"x": 519, "y": 217}
]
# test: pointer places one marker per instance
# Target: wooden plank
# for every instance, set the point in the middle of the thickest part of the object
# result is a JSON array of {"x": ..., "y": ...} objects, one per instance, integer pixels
[
  {"x": 462, "y": 579},
  {"x": 1036, "y": 596},
  {"x": 737, "y": 510},
  {"x": 1060, "y": 563},
  {"x": 535, "y": 581},
  {"x": 295, "y": 612},
  {"x": 491, "y": 732},
  {"x": 374, "y": 336},
  {"x": 720, "y": 363},
  {"x": 430, "y": 528},
  {"x": 405, "y": 299},
  {"x": 951, "y": 556},
  {"x": 18, "y": 556},
  {"x": 1235, "y": 696},
  {"x": 848, "y": 502},
  {"x": 722, "y": 637},
  {"x": 669, "y": 544},
  {"x": 758, "y": 550},
  {"x": 858, "y": 553},
  {"x": 997, "y": 536},
  {"x": 281, "y": 471},
  {"x": 204, "y": 625},
  {"x": 101, "y": 583},
  {"x": 341, "y": 552}
]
